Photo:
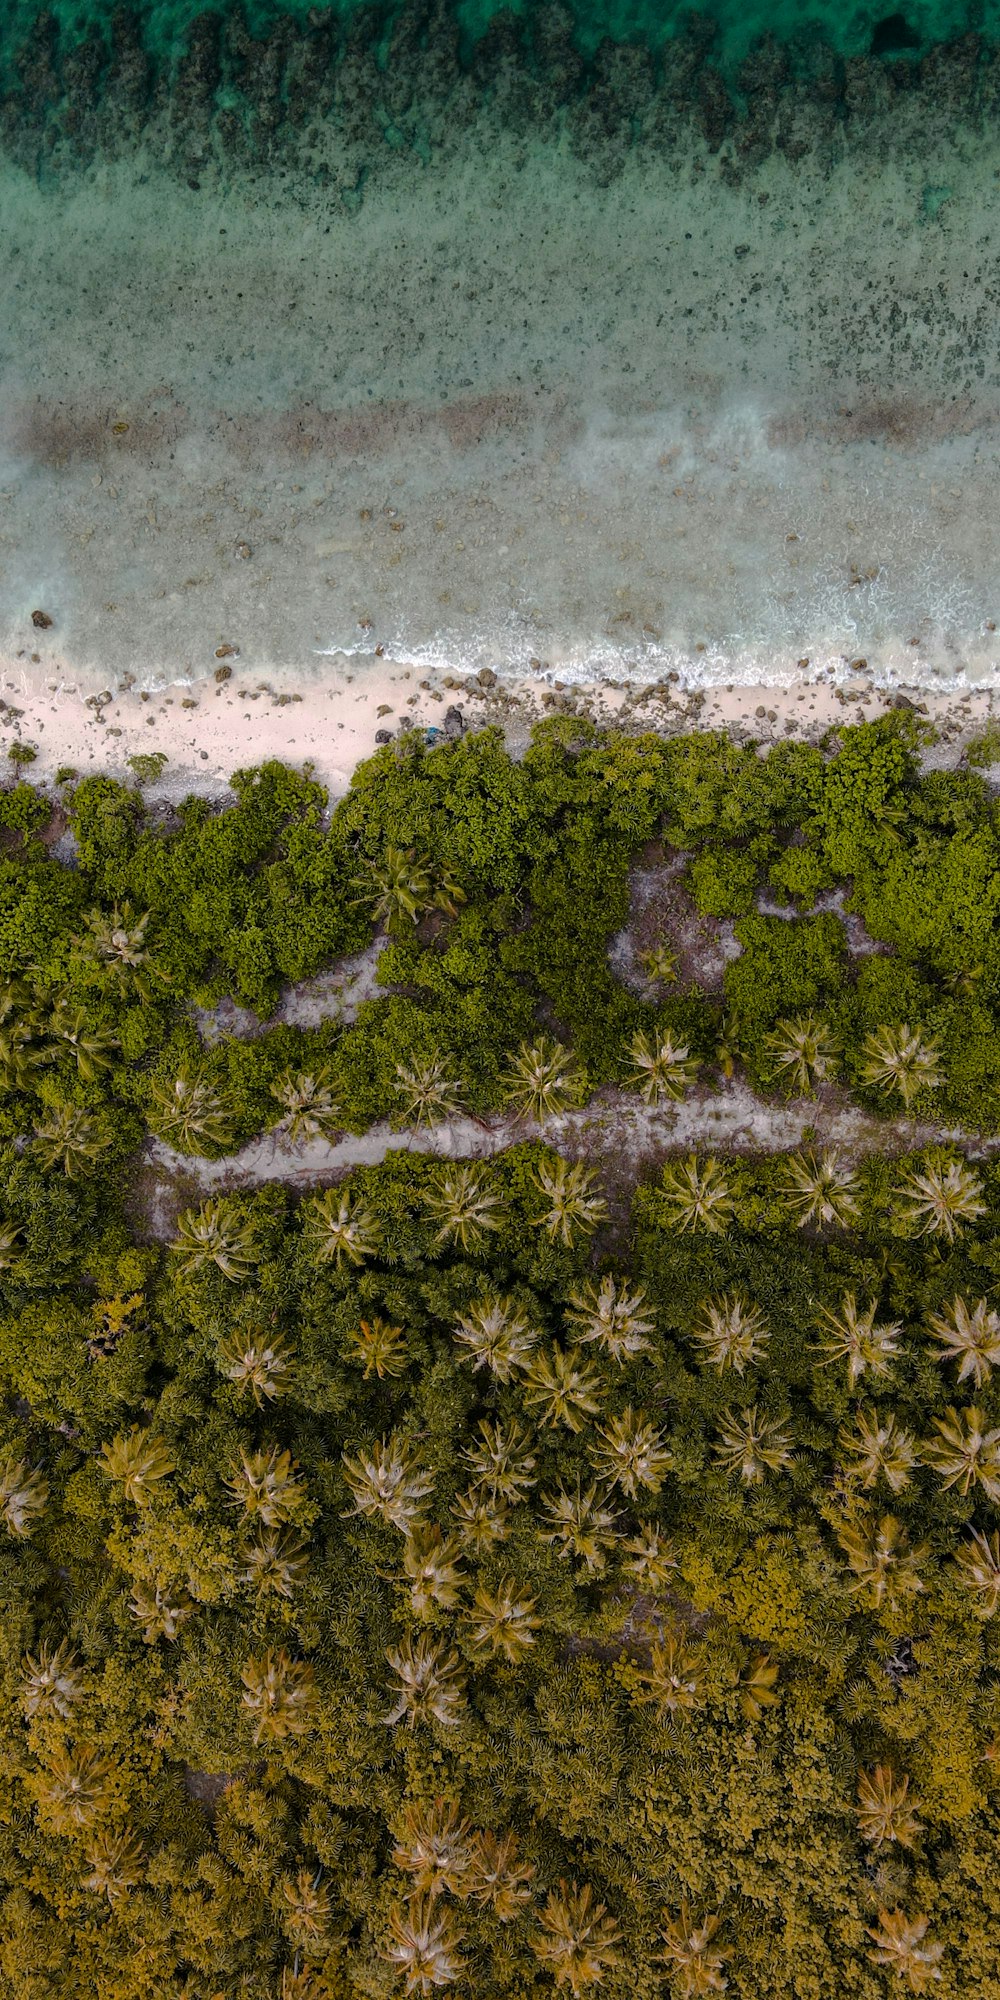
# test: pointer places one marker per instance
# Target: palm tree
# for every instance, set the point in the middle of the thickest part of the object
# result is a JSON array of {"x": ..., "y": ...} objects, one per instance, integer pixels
[
  {"x": 386, "y": 1484},
  {"x": 661, "y": 1068},
  {"x": 884, "y": 1811},
  {"x": 275, "y": 1563},
  {"x": 578, "y": 1942},
  {"x": 804, "y": 1053},
  {"x": 897, "y": 1062},
  {"x": 216, "y": 1234},
  {"x": 481, "y": 1520},
  {"x": 886, "y": 1569},
  {"x": 573, "y": 1206},
  {"x": 497, "y": 1877},
  {"x": 160, "y": 1611},
  {"x": 612, "y": 1317},
  {"x": 650, "y": 1557},
  {"x": 695, "y": 1960},
  {"x": 903, "y": 1947},
  {"x": 502, "y": 1461},
  {"x": 970, "y": 1336},
  {"x": 406, "y": 884},
  {"x": 431, "y": 1564},
  {"x": 70, "y": 1139},
  {"x": 503, "y": 1621},
  {"x": 561, "y": 1390},
  {"x": 115, "y": 1864},
  {"x": 24, "y": 1492},
  {"x": 942, "y": 1198},
  {"x": 266, "y": 1487},
  {"x": 431, "y": 1683},
  {"x": 280, "y": 1695},
  {"x": 581, "y": 1524},
  {"x": 977, "y": 1567},
  {"x": 427, "y": 1091},
  {"x": 307, "y": 1912},
  {"x": 117, "y": 942},
  {"x": 93, "y": 1047},
  {"x": 544, "y": 1079},
  {"x": 434, "y": 1847},
  {"x": 340, "y": 1231},
  {"x": 53, "y": 1682},
  {"x": 138, "y": 1461},
  {"x": 696, "y": 1196},
  {"x": 255, "y": 1359},
  {"x": 966, "y": 1454},
  {"x": 853, "y": 1336},
  {"x": 497, "y": 1335},
  {"x": 820, "y": 1189},
  {"x": 674, "y": 1680},
  {"x": 20, "y": 1056},
  {"x": 310, "y": 1109},
  {"x": 190, "y": 1114},
  {"x": 879, "y": 1448},
  {"x": 731, "y": 1333},
  {"x": 378, "y": 1348},
  {"x": 660, "y": 965},
  {"x": 630, "y": 1453},
  {"x": 424, "y": 1945},
  {"x": 462, "y": 1204},
  {"x": 73, "y": 1786},
  {"x": 753, "y": 1445},
  {"x": 757, "y": 1688}
]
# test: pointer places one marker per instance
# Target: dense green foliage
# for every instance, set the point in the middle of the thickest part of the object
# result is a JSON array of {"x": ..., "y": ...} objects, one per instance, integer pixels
[{"x": 500, "y": 1578}]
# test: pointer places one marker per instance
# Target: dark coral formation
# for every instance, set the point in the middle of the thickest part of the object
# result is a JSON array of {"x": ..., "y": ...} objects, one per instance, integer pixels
[{"x": 337, "y": 97}]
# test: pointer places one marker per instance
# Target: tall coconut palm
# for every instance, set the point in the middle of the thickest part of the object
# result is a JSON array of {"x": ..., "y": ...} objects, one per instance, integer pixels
[
  {"x": 73, "y": 1786},
  {"x": 434, "y": 1847},
  {"x": 977, "y": 1570},
  {"x": 661, "y": 1069},
  {"x": 424, "y": 1942},
  {"x": 819, "y": 1189},
  {"x": 274, "y": 1563},
  {"x": 24, "y": 1493},
  {"x": 189, "y": 1113},
  {"x": 885, "y": 1812},
  {"x": 52, "y": 1684},
  {"x": 216, "y": 1234},
  {"x": 138, "y": 1462},
  {"x": 885, "y": 1569},
  {"x": 572, "y": 1207},
  {"x": 70, "y": 1139},
  {"x": 160, "y": 1611},
  {"x": 386, "y": 1483},
  {"x": 651, "y": 1558},
  {"x": 308, "y": 1104},
  {"x": 116, "y": 940},
  {"x": 431, "y": 1684},
  {"x": 497, "y": 1335},
  {"x": 115, "y": 1864},
  {"x": 969, "y": 1336},
  {"x": 93, "y": 1047},
  {"x": 577, "y": 1941},
  {"x": 279, "y": 1694},
  {"x": 752, "y": 1445},
  {"x": 941, "y": 1198},
  {"x": 377, "y": 1348},
  {"x": 695, "y": 1195},
  {"x": 307, "y": 1912},
  {"x": 502, "y": 1461},
  {"x": 559, "y": 1389},
  {"x": 674, "y": 1681},
  {"x": 629, "y": 1452},
  {"x": 878, "y": 1448},
  {"x": 691, "y": 1953},
  {"x": 612, "y": 1317},
  {"x": 258, "y": 1360},
  {"x": 463, "y": 1205},
  {"x": 731, "y": 1333},
  {"x": 853, "y": 1335},
  {"x": 427, "y": 1093},
  {"x": 497, "y": 1877},
  {"x": 581, "y": 1524},
  {"x": 966, "y": 1452},
  {"x": 480, "y": 1520},
  {"x": 899, "y": 1062},
  {"x": 803, "y": 1054},
  {"x": 432, "y": 1566},
  {"x": 903, "y": 1948},
  {"x": 405, "y": 884},
  {"x": 339, "y": 1230},
  {"x": 757, "y": 1687},
  {"x": 266, "y": 1487},
  {"x": 544, "y": 1079}
]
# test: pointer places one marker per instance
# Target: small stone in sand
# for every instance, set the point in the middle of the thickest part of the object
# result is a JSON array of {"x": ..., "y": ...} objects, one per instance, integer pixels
[{"x": 41, "y": 619}]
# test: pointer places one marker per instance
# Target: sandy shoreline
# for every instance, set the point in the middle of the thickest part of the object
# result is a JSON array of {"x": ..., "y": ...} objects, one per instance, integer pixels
[{"x": 208, "y": 729}]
